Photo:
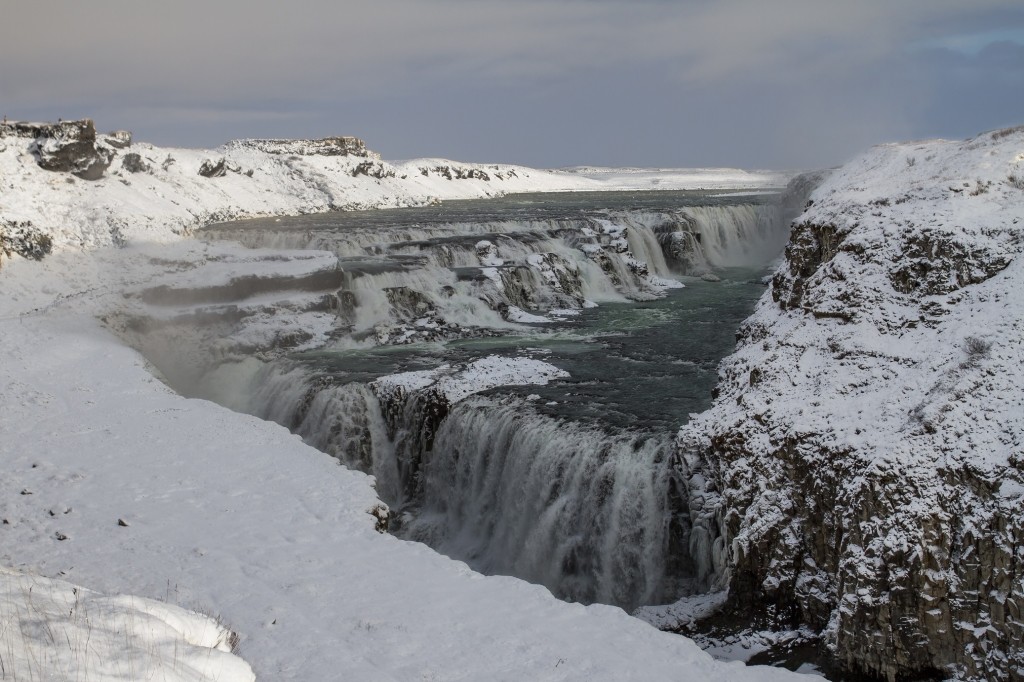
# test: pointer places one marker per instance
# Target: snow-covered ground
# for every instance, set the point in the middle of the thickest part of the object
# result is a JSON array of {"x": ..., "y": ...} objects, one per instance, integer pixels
[
  {"x": 455, "y": 384},
  {"x": 677, "y": 178},
  {"x": 113, "y": 481}
]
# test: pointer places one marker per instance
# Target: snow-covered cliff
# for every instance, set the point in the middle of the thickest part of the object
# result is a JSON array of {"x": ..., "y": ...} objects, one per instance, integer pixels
[{"x": 863, "y": 463}]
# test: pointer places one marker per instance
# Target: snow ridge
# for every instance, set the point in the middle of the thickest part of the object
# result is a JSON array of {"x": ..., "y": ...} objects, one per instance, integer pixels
[
  {"x": 56, "y": 630},
  {"x": 455, "y": 384}
]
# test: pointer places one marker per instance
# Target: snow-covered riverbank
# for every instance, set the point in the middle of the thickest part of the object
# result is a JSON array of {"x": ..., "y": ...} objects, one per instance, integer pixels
[{"x": 54, "y": 630}]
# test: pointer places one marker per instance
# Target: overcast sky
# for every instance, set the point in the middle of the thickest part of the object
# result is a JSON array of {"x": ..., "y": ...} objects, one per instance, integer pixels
[{"x": 748, "y": 83}]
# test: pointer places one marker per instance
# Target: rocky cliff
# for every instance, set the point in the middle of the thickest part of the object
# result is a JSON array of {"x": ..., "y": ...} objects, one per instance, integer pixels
[
  {"x": 861, "y": 472},
  {"x": 68, "y": 146},
  {"x": 328, "y": 146}
]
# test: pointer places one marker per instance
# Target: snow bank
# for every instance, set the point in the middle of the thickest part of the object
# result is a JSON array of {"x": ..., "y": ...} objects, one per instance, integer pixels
[
  {"x": 52, "y": 629},
  {"x": 457, "y": 383}
]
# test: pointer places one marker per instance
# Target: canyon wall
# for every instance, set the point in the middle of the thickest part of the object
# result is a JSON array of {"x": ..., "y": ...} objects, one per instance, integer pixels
[{"x": 862, "y": 469}]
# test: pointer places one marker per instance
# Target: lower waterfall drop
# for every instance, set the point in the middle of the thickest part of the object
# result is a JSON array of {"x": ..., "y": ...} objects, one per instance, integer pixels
[
  {"x": 568, "y": 506},
  {"x": 581, "y": 490}
]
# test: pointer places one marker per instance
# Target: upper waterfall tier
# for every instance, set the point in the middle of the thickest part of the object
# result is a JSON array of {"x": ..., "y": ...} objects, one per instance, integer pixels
[{"x": 432, "y": 273}]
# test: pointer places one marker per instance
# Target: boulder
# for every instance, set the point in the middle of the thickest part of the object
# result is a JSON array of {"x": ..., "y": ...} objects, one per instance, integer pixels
[
  {"x": 133, "y": 163},
  {"x": 218, "y": 168}
]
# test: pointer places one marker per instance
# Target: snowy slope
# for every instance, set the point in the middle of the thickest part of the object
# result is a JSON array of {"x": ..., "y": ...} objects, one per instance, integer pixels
[
  {"x": 678, "y": 178},
  {"x": 865, "y": 454}
]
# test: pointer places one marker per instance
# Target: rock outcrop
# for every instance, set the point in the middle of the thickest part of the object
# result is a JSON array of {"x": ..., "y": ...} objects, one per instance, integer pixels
[
  {"x": 374, "y": 169},
  {"x": 67, "y": 146},
  {"x": 24, "y": 239},
  {"x": 218, "y": 168},
  {"x": 862, "y": 469},
  {"x": 328, "y": 146},
  {"x": 134, "y": 163}
]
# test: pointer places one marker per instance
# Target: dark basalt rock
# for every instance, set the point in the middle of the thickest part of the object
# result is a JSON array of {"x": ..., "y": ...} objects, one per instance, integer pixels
[
  {"x": 68, "y": 147},
  {"x": 936, "y": 262},
  {"x": 457, "y": 173},
  {"x": 218, "y": 168},
  {"x": 373, "y": 169},
  {"x": 408, "y": 304},
  {"x": 133, "y": 163},
  {"x": 24, "y": 239},
  {"x": 417, "y": 415},
  {"x": 328, "y": 146},
  {"x": 810, "y": 246}
]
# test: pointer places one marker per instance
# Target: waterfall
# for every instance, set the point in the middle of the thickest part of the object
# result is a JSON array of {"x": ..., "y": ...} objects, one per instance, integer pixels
[
  {"x": 379, "y": 298},
  {"x": 595, "y": 514},
  {"x": 696, "y": 239},
  {"x": 644, "y": 245},
  {"x": 571, "y": 507},
  {"x": 468, "y": 274},
  {"x": 738, "y": 235}
]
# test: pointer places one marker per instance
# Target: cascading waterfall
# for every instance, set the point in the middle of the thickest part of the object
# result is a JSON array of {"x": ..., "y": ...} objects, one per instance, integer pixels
[
  {"x": 343, "y": 420},
  {"x": 644, "y": 244},
  {"x": 573, "y": 508},
  {"x": 737, "y": 235},
  {"x": 595, "y": 514},
  {"x": 378, "y": 298},
  {"x": 612, "y": 254}
]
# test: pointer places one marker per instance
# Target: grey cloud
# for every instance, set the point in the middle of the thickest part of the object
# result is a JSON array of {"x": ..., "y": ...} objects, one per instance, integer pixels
[{"x": 547, "y": 82}]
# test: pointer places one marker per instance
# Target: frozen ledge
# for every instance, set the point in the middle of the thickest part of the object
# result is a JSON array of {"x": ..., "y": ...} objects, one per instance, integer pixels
[{"x": 457, "y": 383}]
